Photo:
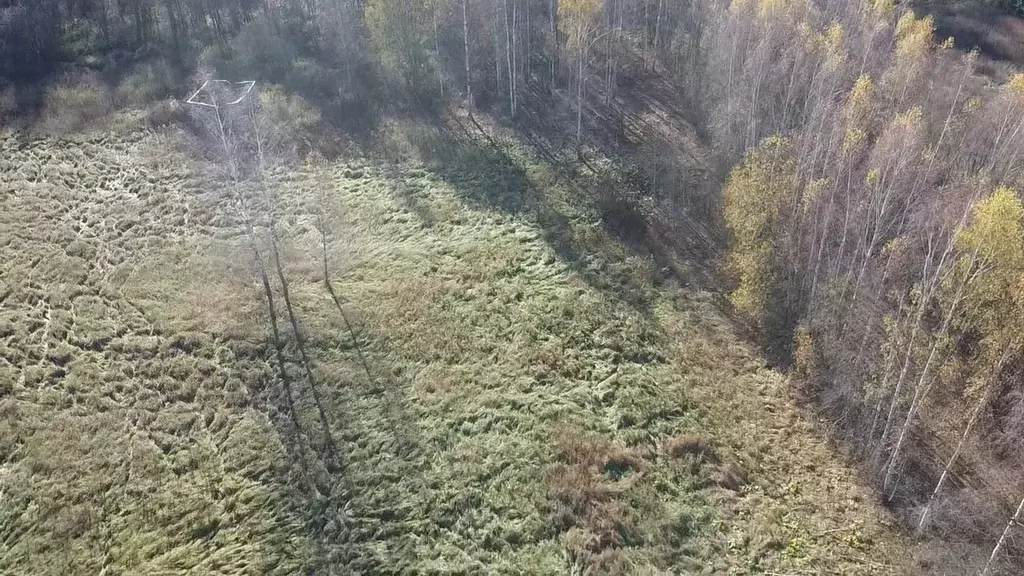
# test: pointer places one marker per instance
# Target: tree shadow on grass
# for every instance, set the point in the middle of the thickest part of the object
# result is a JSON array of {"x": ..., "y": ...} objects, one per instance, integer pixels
[
  {"x": 486, "y": 177},
  {"x": 339, "y": 411},
  {"x": 354, "y": 503},
  {"x": 646, "y": 159},
  {"x": 490, "y": 173}
]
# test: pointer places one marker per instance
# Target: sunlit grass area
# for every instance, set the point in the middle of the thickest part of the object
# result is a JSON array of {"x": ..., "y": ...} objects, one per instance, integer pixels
[{"x": 506, "y": 384}]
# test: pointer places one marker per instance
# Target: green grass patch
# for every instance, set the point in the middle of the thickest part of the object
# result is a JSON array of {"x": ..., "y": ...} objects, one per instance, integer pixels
[{"x": 511, "y": 384}]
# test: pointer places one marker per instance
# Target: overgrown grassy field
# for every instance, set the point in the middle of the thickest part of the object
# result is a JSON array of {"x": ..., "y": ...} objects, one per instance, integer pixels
[{"x": 507, "y": 387}]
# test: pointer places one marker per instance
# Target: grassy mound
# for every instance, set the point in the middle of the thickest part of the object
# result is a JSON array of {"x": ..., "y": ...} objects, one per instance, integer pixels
[{"x": 497, "y": 380}]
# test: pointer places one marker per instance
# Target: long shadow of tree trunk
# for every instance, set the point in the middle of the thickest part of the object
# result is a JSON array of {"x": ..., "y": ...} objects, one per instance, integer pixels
[
  {"x": 300, "y": 341},
  {"x": 286, "y": 382},
  {"x": 322, "y": 229}
]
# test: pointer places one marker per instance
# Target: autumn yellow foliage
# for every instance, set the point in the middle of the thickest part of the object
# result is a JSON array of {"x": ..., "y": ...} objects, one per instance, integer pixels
[
  {"x": 756, "y": 196},
  {"x": 992, "y": 267},
  {"x": 1015, "y": 86},
  {"x": 913, "y": 38},
  {"x": 580, "y": 17},
  {"x": 857, "y": 111},
  {"x": 994, "y": 241}
]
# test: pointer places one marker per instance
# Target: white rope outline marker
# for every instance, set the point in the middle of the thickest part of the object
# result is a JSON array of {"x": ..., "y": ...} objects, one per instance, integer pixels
[
  {"x": 222, "y": 132},
  {"x": 249, "y": 85}
]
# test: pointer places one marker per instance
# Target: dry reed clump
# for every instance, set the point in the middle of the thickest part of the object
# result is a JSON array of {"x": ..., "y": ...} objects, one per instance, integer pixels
[
  {"x": 725, "y": 472},
  {"x": 585, "y": 489},
  {"x": 687, "y": 444}
]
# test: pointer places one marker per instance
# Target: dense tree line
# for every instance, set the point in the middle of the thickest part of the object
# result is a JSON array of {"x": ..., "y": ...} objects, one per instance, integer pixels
[
  {"x": 877, "y": 240},
  {"x": 354, "y": 57},
  {"x": 876, "y": 223}
]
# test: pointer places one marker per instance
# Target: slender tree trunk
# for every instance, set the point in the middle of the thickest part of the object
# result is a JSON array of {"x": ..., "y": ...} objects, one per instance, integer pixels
[
  {"x": 994, "y": 154},
  {"x": 657, "y": 36},
  {"x": 554, "y": 44},
  {"x": 465, "y": 51},
  {"x": 949, "y": 464},
  {"x": 825, "y": 227},
  {"x": 908, "y": 355},
  {"x": 515, "y": 56},
  {"x": 609, "y": 59},
  {"x": 258, "y": 137},
  {"x": 929, "y": 284},
  {"x": 579, "y": 106},
  {"x": 647, "y": 33},
  {"x": 963, "y": 437},
  {"x": 923, "y": 384},
  {"x": 437, "y": 48},
  {"x": 105, "y": 24},
  {"x": 529, "y": 45},
  {"x": 618, "y": 50},
  {"x": 1002, "y": 539},
  {"x": 508, "y": 62},
  {"x": 497, "y": 48},
  {"x": 229, "y": 155}
]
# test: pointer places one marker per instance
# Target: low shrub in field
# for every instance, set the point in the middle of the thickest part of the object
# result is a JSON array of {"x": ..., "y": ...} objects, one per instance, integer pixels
[
  {"x": 290, "y": 117},
  {"x": 144, "y": 84},
  {"x": 164, "y": 113},
  {"x": 699, "y": 446},
  {"x": 74, "y": 104}
]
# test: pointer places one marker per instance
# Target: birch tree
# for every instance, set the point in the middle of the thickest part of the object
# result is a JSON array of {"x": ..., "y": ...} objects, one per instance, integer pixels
[
  {"x": 1014, "y": 520},
  {"x": 583, "y": 17},
  {"x": 756, "y": 196},
  {"x": 995, "y": 304}
]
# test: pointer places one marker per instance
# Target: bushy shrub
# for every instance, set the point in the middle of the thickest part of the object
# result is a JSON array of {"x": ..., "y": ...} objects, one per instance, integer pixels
[
  {"x": 288, "y": 110},
  {"x": 81, "y": 43},
  {"x": 806, "y": 361},
  {"x": 402, "y": 141},
  {"x": 74, "y": 103},
  {"x": 144, "y": 84},
  {"x": 217, "y": 61},
  {"x": 164, "y": 113},
  {"x": 310, "y": 79},
  {"x": 260, "y": 53},
  {"x": 290, "y": 121}
]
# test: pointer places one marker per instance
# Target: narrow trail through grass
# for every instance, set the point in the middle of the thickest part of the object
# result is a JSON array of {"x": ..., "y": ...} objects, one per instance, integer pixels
[{"x": 540, "y": 398}]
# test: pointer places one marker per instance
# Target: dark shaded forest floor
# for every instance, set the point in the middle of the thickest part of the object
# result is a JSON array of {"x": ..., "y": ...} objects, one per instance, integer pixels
[{"x": 993, "y": 30}]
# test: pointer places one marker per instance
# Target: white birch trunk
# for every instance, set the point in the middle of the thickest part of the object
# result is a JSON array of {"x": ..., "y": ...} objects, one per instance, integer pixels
[
  {"x": 465, "y": 51},
  {"x": 1002, "y": 539}
]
